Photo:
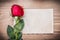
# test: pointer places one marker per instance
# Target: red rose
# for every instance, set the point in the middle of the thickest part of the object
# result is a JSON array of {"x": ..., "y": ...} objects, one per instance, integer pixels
[{"x": 17, "y": 10}]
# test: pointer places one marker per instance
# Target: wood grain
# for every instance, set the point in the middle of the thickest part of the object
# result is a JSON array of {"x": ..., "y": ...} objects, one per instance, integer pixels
[{"x": 5, "y": 18}]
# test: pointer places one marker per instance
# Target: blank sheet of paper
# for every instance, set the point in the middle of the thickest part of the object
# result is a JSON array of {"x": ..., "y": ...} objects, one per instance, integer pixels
[{"x": 38, "y": 21}]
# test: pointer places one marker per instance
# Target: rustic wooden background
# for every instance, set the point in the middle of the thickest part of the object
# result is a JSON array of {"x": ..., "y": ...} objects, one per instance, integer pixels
[{"x": 5, "y": 17}]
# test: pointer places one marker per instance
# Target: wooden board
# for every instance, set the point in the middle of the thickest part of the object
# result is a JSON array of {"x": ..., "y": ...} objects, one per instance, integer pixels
[{"x": 5, "y": 18}]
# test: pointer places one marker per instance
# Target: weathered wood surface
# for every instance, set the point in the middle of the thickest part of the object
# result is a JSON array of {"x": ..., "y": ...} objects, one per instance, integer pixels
[{"x": 5, "y": 18}]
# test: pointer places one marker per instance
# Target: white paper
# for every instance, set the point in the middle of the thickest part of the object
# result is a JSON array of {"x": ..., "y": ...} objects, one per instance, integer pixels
[{"x": 38, "y": 21}]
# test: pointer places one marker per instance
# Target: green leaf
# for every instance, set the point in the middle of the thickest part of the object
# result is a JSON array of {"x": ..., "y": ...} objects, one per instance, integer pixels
[
  {"x": 10, "y": 32},
  {"x": 20, "y": 25},
  {"x": 11, "y": 39},
  {"x": 19, "y": 35}
]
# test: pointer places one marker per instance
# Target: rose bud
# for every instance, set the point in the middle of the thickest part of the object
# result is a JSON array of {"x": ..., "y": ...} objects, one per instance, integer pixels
[{"x": 17, "y": 10}]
